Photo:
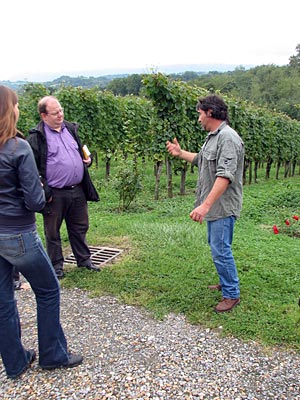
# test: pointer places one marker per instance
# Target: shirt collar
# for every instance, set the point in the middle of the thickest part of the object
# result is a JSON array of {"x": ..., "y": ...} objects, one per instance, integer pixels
[
  {"x": 221, "y": 126},
  {"x": 54, "y": 130}
]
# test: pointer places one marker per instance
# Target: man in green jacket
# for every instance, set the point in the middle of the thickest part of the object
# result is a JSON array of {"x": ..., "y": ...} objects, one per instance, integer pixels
[{"x": 219, "y": 191}]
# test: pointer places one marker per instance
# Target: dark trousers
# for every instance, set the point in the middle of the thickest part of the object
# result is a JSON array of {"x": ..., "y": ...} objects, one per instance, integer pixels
[
  {"x": 67, "y": 205},
  {"x": 16, "y": 274}
]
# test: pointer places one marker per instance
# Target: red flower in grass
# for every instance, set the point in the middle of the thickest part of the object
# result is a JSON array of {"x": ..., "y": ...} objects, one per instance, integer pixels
[{"x": 290, "y": 227}]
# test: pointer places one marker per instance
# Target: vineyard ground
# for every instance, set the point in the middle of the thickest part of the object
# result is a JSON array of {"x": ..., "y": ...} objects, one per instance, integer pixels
[{"x": 166, "y": 265}]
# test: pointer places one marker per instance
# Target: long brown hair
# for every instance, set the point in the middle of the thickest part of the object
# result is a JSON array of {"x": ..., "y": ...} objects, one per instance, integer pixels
[{"x": 8, "y": 119}]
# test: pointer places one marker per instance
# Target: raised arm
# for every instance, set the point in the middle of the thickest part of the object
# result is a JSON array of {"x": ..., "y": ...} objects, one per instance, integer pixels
[{"x": 176, "y": 151}]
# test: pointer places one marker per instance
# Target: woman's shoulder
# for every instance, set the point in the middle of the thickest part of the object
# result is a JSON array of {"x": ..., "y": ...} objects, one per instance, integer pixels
[
  {"x": 17, "y": 144},
  {"x": 22, "y": 142}
]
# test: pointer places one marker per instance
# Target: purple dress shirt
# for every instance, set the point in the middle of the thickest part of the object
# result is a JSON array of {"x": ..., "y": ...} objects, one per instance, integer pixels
[{"x": 64, "y": 163}]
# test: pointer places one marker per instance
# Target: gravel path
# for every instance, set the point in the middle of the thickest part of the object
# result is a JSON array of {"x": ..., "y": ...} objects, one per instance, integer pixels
[{"x": 129, "y": 355}]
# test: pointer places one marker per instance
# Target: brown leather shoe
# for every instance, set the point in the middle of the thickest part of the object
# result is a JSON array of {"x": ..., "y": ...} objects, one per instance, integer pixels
[
  {"x": 227, "y": 305},
  {"x": 215, "y": 287}
]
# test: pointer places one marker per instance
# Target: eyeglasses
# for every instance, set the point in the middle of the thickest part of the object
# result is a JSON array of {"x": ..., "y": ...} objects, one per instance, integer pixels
[{"x": 55, "y": 113}]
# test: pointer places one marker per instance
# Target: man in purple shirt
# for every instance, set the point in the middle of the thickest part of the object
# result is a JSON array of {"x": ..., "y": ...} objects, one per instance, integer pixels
[{"x": 63, "y": 169}]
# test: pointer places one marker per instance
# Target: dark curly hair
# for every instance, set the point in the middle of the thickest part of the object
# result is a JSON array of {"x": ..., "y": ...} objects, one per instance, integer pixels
[{"x": 216, "y": 105}]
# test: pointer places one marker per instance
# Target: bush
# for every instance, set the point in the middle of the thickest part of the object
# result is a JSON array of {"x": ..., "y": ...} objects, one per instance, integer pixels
[{"x": 128, "y": 184}]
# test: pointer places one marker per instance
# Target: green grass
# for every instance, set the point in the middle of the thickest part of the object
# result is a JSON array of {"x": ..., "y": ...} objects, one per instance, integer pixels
[{"x": 166, "y": 263}]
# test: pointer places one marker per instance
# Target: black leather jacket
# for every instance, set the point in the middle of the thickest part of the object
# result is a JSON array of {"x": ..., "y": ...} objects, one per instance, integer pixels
[
  {"x": 38, "y": 142},
  {"x": 21, "y": 192}
]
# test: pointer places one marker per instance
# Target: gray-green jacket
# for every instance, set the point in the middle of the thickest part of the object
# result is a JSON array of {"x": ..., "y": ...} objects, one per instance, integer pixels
[{"x": 221, "y": 155}]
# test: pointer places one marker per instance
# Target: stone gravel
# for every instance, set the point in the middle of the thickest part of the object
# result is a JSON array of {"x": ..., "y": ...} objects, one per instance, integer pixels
[{"x": 130, "y": 355}]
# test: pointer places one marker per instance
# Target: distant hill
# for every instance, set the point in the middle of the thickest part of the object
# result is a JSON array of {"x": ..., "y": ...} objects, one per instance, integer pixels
[{"x": 102, "y": 77}]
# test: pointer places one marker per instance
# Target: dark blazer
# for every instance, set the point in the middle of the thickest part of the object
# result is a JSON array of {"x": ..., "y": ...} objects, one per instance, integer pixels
[{"x": 38, "y": 142}]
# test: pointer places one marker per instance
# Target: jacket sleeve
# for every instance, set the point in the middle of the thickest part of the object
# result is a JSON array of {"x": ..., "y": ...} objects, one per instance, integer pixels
[
  {"x": 36, "y": 146},
  {"x": 34, "y": 197}
]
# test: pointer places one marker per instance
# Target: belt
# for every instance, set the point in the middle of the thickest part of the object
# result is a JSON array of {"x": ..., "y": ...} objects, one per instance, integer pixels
[{"x": 67, "y": 187}]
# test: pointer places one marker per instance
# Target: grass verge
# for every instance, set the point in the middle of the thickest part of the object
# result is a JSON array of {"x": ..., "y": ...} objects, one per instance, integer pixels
[{"x": 166, "y": 264}]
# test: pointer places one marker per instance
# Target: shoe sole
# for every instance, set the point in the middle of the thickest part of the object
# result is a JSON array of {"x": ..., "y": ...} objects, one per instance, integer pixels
[
  {"x": 63, "y": 366},
  {"x": 93, "y": 269},
  {"x": 89, "y": 268},
  {"x": 215, "y": 287}
]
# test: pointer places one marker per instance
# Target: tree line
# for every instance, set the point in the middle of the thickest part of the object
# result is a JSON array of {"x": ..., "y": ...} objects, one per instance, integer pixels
[
  {"x": 274, "y": 87},
  {"x": 139, "y": 126},
  {"x": 270, "y": 86}
]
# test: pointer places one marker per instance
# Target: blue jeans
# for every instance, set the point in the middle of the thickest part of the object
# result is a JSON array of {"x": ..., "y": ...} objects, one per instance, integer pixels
[
  {"x": 220, "y": 235},
  {"x": 25, "y": 251}
]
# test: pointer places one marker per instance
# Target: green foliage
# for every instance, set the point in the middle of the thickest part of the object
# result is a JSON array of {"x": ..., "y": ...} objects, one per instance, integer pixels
[
  {"x": 267, "y": 206},
  {"x": 294, "y": 60},
  {"x": 270, "y": 86},
  {"x": 28, "y": 100},
  {"x": 125, "y": 86},
  {"x": 287, "y": 197},
  {"x": 110, "y": 124},
  {"x": 82, "y": 106},
  {"x": 127, "y": 182},
  {"x": 136, "y": 114},
  {"x": 140, "y": 126},
  {"x": 175, "y": 107}
]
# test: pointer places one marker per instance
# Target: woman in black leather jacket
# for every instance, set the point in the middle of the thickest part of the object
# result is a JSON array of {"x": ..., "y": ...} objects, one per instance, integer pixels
[{"x": 21, "y": 195}]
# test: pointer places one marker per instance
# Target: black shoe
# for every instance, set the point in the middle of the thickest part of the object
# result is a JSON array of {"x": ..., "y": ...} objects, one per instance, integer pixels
[
  {"x": 60, "y": 274},
  {"x": 32, "y": 358},
  {"x": 17, "y": 285},
  {"x": 91, "y": 267},
  {"x": 73, "y": 361}
]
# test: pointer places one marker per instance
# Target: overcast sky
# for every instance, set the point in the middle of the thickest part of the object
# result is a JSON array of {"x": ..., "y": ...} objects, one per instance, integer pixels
[{"x": 61, "y": 37}]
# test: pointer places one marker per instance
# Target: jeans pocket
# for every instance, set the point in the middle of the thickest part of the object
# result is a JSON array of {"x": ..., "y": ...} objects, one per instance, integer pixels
[{"x": 12, "y": 246}]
